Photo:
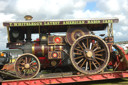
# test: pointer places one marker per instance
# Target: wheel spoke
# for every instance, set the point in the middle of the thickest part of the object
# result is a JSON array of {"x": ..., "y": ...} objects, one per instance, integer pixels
[
  {"x": 93, "y": 46},
  {"x": 22, "y": 64},
  {"x": 24, "y": 72},
  {"x": 30, "y": 60},
  {"x": 27, "y": 71},
  {"x": 78, "y": 53},
  {"x": 97, "y": 62},
  {"x": 80, "y": 61},
  {"x": 79, "y": 57},
  {"x": 34, "y": 65},
  {"x": 99, "y": 58},
  {"x": 78, "y": 50},
  {"x": 98, "y": 54},
  {"x": 99, "y": 50},
  {"x": 22, "y": 69},
  {"x": 86, "y": 66},
  {"x": 94, "y": 64},
  {"x": 83, "y": 63},
  {"x": 80, "y": 46},
  {"x": 34, "y": 68},
  {"x": 83, "y": 45},
  {"x": 96, "y": 49}
]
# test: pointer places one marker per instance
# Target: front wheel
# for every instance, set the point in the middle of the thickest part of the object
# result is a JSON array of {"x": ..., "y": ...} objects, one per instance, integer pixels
[
  {"x": 27, "y": 66},
  {"x": 89, "y": 54}
]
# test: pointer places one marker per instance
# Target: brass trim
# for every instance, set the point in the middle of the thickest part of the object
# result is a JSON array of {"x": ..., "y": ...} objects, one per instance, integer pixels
[
  {"x": 51, "y": 48},
  {"x": 57, "y": 44},
  {"x": 49, "y": 55},
  {"x": 43, "y": 37},
  {"x": 33, "y": 48},
  {"x": 53, "y": 63},
  {"x": 42, "y": 50},
  {"x": 61, "y": 40},
  {"x": 60, "y": 47}
]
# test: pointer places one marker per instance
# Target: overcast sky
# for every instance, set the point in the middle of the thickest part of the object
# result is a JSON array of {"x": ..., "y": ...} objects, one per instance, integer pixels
[{"x": 65, "y": 9}]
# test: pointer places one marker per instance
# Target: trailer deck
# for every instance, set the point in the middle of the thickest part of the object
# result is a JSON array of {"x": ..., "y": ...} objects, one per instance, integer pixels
[{"x": 63, "y": 78}]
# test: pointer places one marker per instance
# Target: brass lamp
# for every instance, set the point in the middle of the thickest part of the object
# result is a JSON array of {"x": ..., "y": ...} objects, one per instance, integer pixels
[{"x": 28, "y": 17}]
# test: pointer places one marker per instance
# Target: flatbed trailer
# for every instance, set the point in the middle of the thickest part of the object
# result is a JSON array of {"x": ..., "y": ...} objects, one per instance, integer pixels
[{"x": 63, "y": 79}]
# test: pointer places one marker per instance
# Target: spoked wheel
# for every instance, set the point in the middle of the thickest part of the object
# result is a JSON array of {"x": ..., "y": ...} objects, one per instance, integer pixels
[
  {"x": 27, "y": 66},
  {"x": 89, "y": 54}
]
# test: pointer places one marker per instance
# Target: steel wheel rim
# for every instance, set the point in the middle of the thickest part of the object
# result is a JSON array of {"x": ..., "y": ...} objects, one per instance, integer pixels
[
  {"x": 27, "y": 66},
  {"x": 93, "y": 64}
]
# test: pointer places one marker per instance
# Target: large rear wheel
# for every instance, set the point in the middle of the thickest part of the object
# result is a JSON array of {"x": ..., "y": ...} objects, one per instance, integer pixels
[{"x": 89, "y": 54}]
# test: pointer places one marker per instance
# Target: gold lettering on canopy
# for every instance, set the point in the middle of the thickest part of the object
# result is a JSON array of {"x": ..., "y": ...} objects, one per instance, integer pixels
[
  {"x": 52, "y": 23},
  {"x": 73, "y": 22},
  {"x": 94, "y": 21},
  {"x": 10, "y": 24},
  {"x": 107, "y": 21},
  {"x": 60, "y": 22},
  {"x": 26, "y": 24}
]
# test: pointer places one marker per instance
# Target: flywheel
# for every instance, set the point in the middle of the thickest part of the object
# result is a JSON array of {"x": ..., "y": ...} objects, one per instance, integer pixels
[
  {"x": 89, "y": 54},
  {"x": 27, "y": 66},
  {"x": 75, "y": 32}
]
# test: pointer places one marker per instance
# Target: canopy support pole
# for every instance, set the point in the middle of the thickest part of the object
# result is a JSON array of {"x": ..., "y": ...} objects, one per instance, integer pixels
[{"x": 8, "y": 34}]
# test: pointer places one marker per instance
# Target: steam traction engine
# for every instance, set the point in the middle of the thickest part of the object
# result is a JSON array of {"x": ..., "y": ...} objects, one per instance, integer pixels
[{"x": 79, "y": 48}]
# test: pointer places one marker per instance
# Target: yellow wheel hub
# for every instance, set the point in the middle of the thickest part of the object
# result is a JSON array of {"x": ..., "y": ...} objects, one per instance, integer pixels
[
  {"x": 89, "y": 54},
  {"x": 27, "y": 65}
]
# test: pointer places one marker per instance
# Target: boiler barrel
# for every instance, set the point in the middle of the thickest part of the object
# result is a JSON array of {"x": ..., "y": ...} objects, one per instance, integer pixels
[{"x": 40, "y": 50}]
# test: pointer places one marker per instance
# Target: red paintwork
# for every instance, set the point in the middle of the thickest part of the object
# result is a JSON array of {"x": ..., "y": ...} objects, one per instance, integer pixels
[
  {"x": 126, "y": 55},
  {"x": 44, "y": 61},
  {"x": 58, "y": 40},
  {"x": 122, "y": 65},
  {"x": 37, "y": 39},
  {"x": 69, "y": 79}
]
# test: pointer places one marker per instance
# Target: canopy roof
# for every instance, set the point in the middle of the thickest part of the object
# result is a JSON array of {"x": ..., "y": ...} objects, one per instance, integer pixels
[{"x": 61, "y": 22}]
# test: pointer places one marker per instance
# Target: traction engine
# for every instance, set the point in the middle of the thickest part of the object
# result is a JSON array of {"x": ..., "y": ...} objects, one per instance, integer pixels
[{"x": 79, "y": 48}]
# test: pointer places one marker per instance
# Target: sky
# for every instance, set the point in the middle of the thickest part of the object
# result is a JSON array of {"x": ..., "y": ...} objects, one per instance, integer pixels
[{"x": 15, "y": 10}]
